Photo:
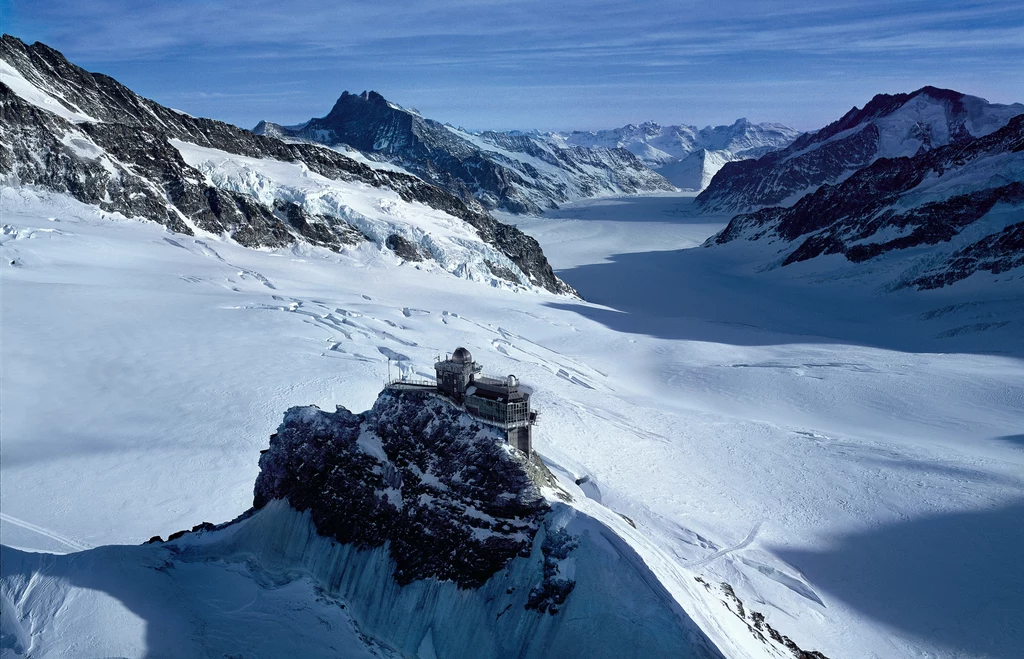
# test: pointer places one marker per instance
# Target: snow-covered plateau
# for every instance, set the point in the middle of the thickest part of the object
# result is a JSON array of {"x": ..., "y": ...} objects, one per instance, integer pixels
[{"x": 787, "y": 450}]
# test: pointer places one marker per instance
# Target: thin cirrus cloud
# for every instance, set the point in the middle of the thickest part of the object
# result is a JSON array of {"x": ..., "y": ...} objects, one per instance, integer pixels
[{"x": 503, "y": 64}]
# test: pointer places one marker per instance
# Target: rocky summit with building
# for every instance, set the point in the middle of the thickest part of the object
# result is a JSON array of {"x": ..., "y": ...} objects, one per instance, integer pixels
[
  {"x": 433, "y": 520},
  {"x": 416, "y": 472},
  {"x": 500, "y": 403}
]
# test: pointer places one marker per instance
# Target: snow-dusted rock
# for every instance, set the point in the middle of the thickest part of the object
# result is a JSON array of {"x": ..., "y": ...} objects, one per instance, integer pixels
[
  {"x": 890, "y": 126},
  {"x": 513, "y": 171},
  {"x": 687, "y": 156},
  {"x": 944, "y": 213},
  {"x": 86, "y": 135}
]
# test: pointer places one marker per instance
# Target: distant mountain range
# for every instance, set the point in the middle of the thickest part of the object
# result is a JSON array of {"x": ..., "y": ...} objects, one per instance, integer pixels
[
  {"x": 928, "y": 185},
  {"x": 517, "y": 172},
  {"x": 83, "y": 134},
  {"x": 528, "y": 172},
  {"x": 688, "y": 156}
]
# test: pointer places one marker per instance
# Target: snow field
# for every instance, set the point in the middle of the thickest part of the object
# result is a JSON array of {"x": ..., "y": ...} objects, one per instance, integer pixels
[{"x": 834, "y": 478}]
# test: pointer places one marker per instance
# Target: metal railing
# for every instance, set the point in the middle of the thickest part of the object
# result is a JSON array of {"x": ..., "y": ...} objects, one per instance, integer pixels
[{"x": 401, "y": 383}]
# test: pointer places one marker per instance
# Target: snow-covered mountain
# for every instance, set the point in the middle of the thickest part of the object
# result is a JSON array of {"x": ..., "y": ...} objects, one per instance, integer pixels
[
  {"x": 890, "y": 126},
  {"x": 763, "y": 462},
  {"x": 687, "y": 156},
  {"x": 86, "y": 135},
  {"x": 517, "y": 172},
  {"x": 922, "y": 221}
]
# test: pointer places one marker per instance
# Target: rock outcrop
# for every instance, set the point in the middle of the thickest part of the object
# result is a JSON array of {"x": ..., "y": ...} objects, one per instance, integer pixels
[{"x": 446, "y": 494}]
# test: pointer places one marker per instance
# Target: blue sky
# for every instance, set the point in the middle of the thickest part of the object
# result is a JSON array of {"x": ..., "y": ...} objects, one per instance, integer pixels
[{"x": 549, "y": 65}]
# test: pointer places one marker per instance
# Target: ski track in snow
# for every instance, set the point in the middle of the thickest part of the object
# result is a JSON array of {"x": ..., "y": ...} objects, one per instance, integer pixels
[
  {"x": 73, "y": 545},
  {"x": 742, "y": 544}
]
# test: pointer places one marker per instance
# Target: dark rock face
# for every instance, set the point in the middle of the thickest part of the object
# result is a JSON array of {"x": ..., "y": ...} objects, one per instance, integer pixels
[
  {"x": 849, "y": 144},
  {"x": 452, "y": 500},
  {"x": 882, "y": 208},
  {"x": 147, "y": 177},
  {"x": 996, "y": 253},
  {"x": 482, "y": 178},
  {"x": 402, "y": 248},
  {"x": 553, "y": 589}
]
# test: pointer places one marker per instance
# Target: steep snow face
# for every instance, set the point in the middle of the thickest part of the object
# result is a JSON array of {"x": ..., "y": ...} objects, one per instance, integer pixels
[
  {"x": 270, "y": 585},
  {"x": 377, "y": 213},
  {"x": 932, "y": 219},
  {"x": 109, "y": 147},
  {"x": 685, "y": 155},
  {"x": 518, "y": 172},
  {"x": 889, "y": 126},
  {"x": 153, "y": 602},
  {"x": 695, "y": 171},
  {"x": 38, "y": 97}
]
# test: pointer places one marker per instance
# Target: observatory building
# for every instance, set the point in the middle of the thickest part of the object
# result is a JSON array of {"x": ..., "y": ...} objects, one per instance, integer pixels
[{"x": 495, "y": 401}]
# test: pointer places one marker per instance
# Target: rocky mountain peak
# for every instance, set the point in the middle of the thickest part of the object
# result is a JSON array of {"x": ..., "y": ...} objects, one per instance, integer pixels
[
  {"x": 130, "y": 164},
  {"x": 888, "y": 126},
  {"x": 450, "y": 498},
  {"x": 515, "y": 171}
]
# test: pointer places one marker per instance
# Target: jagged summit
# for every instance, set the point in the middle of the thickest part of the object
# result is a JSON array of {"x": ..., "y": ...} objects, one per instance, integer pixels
[
  {"x": 888, "y": 126},
  {"x": 515, "y": 171},
  {"x": 416, "y": 472},
  {"x": 687, "y": 156}
]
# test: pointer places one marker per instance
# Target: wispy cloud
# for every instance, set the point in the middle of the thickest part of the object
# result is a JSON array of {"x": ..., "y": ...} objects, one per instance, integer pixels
[{"x": 529, "y": 54}]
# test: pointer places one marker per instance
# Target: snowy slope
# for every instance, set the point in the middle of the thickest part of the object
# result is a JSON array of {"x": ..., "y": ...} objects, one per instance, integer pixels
[
  {"x": 889, "y": 126},
  {"x": 84, "y": 134},
  {"x": 687, "y": 156},
  {"x": 378, "y": 214},
  {"x": 857, "y": 488}
]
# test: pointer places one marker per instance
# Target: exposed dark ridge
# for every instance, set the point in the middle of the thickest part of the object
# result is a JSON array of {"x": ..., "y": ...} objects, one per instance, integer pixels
[
  {"x": 882, "y": 105},
  {"x": 843, "y": 218},
  {"x": 436, "y": 462}
]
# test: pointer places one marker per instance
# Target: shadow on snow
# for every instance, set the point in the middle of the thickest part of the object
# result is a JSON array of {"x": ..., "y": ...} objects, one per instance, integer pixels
[
  {"x": 953, "y": 579},
  {"x": 697, "y": 294}
]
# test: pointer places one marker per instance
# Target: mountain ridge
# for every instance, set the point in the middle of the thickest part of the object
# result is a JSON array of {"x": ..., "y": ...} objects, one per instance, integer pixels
[
  {"x": 512, "y": 171},
  {"x": 109, "y": 147},
  {"x": 964, "y": 202},
  {"x": 888, "y": 126},
  {"x": 686, "y": 155}
]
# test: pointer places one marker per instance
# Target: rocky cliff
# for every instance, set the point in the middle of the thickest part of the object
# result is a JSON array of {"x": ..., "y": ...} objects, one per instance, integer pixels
[{"x": 449, "y": 498}]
